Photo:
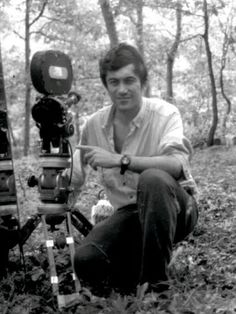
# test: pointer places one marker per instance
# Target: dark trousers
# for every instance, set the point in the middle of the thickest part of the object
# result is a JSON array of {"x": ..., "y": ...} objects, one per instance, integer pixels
[{"x": 134, "y": 245}]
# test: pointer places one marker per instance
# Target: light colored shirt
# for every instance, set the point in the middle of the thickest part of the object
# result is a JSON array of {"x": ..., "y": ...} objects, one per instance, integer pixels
[{"x": 157, "y": 130}]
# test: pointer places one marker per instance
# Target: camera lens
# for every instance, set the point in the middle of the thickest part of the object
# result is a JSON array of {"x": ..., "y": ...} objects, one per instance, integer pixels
[{"x": 47, "y": 111}]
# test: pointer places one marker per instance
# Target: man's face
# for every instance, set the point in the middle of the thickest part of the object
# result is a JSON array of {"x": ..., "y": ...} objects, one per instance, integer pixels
[{"x": 124, "y": 88}]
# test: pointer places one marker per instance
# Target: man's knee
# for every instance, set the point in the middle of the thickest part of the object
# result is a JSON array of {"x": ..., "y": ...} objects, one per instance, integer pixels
[{"x": 155, "y": 178}]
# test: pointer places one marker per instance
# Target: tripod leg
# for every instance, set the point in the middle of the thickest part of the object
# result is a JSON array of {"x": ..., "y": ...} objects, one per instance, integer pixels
[
  {"x": 63, "y": 300},
  {"x": 81, "y": 223},
  {"x": 52, "y": 265},
  {"x": 70, "y": 242}
]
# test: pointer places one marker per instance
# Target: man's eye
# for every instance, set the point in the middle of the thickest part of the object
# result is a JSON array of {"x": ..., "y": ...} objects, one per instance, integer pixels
[
  {"x": 113, "y": 82},
  {"x": 130, "y": 80}
]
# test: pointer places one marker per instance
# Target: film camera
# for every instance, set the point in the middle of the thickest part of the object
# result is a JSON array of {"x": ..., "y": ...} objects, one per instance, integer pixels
[{"x": 52, "y": 75}]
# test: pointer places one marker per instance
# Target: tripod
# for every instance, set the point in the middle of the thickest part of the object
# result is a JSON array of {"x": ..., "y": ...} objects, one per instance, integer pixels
[{"x": 54, "y": 189}]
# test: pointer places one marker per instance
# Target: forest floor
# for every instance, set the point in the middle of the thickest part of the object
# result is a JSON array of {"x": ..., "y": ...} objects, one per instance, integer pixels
[{"x": 202, "y": 271}]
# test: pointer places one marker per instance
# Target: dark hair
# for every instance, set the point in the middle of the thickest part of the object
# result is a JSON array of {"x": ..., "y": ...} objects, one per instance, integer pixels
[{"x": 120, "y": 56}]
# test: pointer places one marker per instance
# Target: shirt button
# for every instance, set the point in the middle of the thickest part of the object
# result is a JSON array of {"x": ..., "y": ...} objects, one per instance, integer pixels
[{"x": 131, "y": 196}]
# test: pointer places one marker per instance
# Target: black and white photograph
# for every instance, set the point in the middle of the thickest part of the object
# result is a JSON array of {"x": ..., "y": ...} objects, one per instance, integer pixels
[{"x": 118, "y": 156}]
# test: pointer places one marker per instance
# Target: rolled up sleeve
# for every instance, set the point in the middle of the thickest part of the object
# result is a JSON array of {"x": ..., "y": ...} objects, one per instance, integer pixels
[{"x": 174, "y": 143}]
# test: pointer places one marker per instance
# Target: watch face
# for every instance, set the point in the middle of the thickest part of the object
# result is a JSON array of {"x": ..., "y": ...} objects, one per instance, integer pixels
[
  {"x": 124, "y": 163},
  {"x": 125, "y": 160}
]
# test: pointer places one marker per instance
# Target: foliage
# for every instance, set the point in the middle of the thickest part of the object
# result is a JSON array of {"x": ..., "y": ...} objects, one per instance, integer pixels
[
  {"x": 202, "y": 270},
  {"x": 4, "y": 21}
]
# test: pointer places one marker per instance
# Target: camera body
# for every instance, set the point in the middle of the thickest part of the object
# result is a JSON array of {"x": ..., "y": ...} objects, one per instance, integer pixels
[{"x": 52, "y": 75}]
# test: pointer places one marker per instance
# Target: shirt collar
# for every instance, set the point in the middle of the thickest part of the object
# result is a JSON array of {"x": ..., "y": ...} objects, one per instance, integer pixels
[
  {"x": 108, "y": 118},
  {"x": 140, "y": 116}
]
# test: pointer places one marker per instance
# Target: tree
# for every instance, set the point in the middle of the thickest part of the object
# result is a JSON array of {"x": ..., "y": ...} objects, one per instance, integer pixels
[
  {"x": 138, "y": 22},
  {"x": 210, "y": 139},
  {"x": 228, "y": 41},
  {"x": 171, "y": 54},
  {"x": 109, "y": 22},
  {"x": 140, "y": 38},
  {"x": 2, "y": 87},
  {"x": 225, "y": 49}
]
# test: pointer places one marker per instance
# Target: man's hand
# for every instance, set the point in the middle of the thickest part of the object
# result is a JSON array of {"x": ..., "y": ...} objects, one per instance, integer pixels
[{"x": 99, "y": 157}]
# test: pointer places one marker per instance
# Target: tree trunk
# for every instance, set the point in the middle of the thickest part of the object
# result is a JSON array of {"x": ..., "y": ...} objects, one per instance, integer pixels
[
  {"x": 109, "y": 22},
  {"x": 27, "y": 80},
  {"x": 210, "y": 139},
  {"x": 140, "y": 40},
  {"x": 139, "y": 27},
  {"x": 2, "y": 87},
  {"x": 172, "y": 54},
  {"x": 228, "y": 102}
]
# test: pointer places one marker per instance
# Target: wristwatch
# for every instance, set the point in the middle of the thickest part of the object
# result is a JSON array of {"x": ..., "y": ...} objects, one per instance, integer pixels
[{"x": 124, "y": 163}]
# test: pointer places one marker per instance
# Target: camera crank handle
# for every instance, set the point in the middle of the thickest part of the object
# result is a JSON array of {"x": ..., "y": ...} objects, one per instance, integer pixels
[
  {"x": 73, "y": 99},
  {"x": 32, "y": 181}
]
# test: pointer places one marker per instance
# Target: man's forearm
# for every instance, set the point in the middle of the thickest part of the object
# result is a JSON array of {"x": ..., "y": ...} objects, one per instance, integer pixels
[
  {"x": 98, "y": 157},
  {"x": 169, "y": 164}
]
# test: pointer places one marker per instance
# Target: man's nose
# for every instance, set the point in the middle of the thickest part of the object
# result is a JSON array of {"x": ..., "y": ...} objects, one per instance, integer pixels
[{"x": 122, "y": 89}]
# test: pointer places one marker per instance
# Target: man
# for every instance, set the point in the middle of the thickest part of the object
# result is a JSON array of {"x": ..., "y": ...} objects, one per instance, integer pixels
[{"x": 138, "y": 147}]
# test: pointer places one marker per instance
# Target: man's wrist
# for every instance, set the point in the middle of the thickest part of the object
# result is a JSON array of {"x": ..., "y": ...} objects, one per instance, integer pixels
[{"x": 124, "y": 164}]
